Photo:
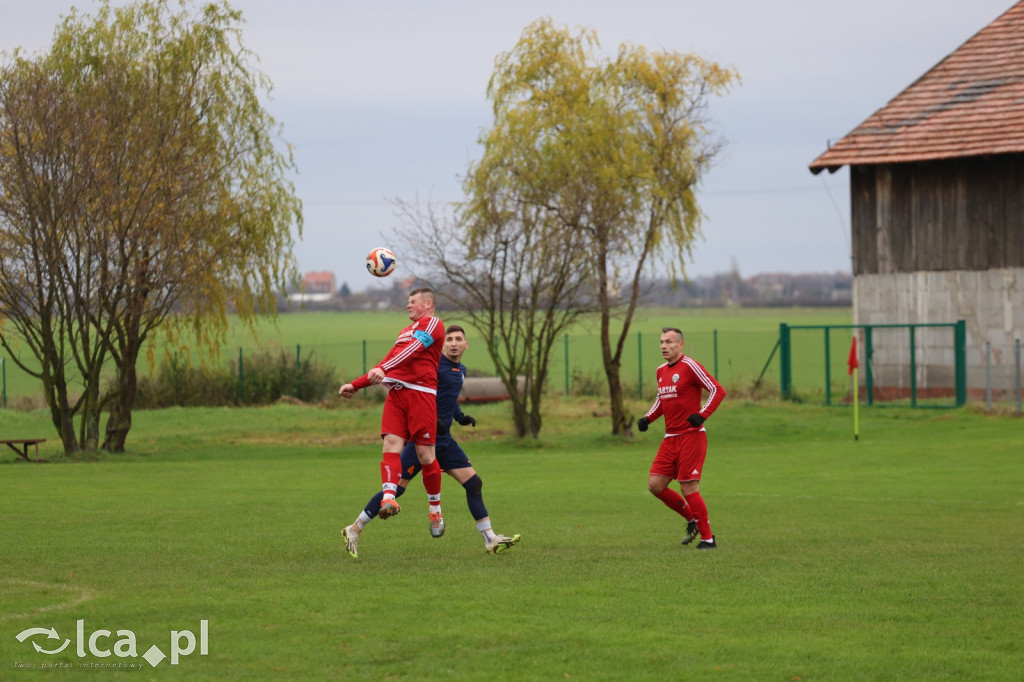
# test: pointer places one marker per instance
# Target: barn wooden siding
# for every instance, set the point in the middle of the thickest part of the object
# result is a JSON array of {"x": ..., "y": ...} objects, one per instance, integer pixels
[{"x": 956, "y": 214}]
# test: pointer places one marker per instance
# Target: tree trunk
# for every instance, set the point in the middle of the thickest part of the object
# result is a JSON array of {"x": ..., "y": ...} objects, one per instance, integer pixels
[
  {"x": 620, "y": 419},
  {"x": 61, "y": 414},
  {"x": 520, "y": 416},
  {"x": 612, "y": 367},
  {"x": 535, "y": 416},
  {"x": 92, "y": 431},
  {"x": 64, "y": 421},
  {"x": 120, "y": 421}
]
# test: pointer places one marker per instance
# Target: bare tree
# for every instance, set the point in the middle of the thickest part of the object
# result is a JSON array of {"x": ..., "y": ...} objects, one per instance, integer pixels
[{"x": 516, "y": 283}]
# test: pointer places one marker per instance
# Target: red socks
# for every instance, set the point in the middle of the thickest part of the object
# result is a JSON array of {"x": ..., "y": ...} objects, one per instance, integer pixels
[
  {"x": 432, "y": 481},
  {"x": 390, "y": 471},
  {"x": 675, "y": 502},
  {"x": 700, "y": 511}
]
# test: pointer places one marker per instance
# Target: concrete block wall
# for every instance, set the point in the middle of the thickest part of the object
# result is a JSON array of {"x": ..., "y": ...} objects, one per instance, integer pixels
[{"x": 991, "y": 303}]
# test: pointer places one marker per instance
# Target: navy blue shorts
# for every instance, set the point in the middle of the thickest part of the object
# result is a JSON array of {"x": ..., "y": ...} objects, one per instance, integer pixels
[{"x": 448, "y": 452}]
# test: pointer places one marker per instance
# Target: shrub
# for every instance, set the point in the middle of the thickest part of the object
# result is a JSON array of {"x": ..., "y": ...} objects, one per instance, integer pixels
[
  {"x": 588, "y": 383},
  {"x": 267, "y": 376}
]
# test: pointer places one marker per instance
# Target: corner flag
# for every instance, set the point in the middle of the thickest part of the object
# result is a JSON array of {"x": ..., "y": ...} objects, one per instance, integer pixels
[{"x": 852, "y": 365}]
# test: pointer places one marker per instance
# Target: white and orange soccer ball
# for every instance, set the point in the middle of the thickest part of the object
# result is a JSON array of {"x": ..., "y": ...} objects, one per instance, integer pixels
[{"x": 380, "y": 262}]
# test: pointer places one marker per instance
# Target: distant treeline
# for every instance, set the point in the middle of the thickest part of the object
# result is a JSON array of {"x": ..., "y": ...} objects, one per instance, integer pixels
[{"x": 707, "y": 291}]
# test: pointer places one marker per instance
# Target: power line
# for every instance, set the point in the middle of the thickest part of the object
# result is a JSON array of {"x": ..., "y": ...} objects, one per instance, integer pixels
[
  {"x": 842, "y": 221},
  {"x": 766, "y": 190},
  {"x": 714, "y": 193}
]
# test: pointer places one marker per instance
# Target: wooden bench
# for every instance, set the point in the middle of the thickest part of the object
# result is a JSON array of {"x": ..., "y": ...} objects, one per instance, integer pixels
[{"x": 24, "y": 443}]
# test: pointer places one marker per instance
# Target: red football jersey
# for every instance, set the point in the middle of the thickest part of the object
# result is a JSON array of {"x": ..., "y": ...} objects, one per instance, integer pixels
[
  {"x": 679, "y": 392},
  {"x": 414, "y": 358}
]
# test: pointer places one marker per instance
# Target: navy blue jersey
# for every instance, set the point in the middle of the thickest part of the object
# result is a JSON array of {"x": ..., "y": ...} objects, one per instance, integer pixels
[
  {"x": 450, "y": 376},
  {"x": 449, "y": 385}
]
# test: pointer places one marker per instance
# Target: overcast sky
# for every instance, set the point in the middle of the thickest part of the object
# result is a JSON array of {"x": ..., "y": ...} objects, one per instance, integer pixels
[{"x": 387, "y": 99}]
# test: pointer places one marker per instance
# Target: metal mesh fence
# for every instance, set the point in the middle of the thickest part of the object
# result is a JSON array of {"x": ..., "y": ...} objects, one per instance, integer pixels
[{"x": 915, "y": 367}]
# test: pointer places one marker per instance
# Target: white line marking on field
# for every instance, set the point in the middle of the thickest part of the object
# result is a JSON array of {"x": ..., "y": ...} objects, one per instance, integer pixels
[{"x": 84, "y": 595}]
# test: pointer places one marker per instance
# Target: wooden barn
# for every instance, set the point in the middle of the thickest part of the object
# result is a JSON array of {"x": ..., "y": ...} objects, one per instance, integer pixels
[{"x": 937, "y": 204}]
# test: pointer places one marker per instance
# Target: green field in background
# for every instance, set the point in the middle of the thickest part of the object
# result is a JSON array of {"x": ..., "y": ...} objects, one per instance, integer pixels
[{"x": 354, "y": 341}]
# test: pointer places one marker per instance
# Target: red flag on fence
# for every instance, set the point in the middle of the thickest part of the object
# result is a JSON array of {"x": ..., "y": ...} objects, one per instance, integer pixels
[{"x": 851, "y": 362}]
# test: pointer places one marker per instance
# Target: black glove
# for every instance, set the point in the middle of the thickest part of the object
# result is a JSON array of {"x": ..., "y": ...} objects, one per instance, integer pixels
[
  {"x": 642, "y": 423},
  {"x": 696, "y": 421},
  {"x": 466, "y": 420},
  {"x": 442, "y": 430}
]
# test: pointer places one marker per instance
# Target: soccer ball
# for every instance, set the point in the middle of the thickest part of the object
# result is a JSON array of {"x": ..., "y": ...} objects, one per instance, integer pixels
[{"x": 380, "y": 262}]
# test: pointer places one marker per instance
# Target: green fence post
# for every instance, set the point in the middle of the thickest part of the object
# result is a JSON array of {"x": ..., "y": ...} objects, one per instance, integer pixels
[
  {"x": 785, "y": 376},
  {"x": 1016, "y": 364},
  {"x": 714, "y": 342},
  {"x": 913, "y": 367},
  {"x": 640, "y": 365},
  {"x": 567, "y": 365},
  {"x": 828, "y": 369},
  {"x": 869, "y": 380},
  {"x": 960, "y": 350},
  {"x": 298, "y": 371},
  {"x": 240, "y": 375}
]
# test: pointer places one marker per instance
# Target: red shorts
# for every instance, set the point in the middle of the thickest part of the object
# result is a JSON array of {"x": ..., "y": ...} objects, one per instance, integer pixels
[
  {"x": 681, "y": 458},
  {"x": 411, "y": 415}
]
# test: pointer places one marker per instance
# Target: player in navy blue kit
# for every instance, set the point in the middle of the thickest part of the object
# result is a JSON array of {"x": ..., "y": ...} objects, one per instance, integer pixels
[{"x": 450, "y": 375}]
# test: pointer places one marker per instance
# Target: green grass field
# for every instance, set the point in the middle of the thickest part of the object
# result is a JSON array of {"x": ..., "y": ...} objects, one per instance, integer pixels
[{"x": 897, "y": 557}]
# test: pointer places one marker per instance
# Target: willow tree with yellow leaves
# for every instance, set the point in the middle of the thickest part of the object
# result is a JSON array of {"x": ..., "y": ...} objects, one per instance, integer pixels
[
  {"x": 142, "y": 187},
  {"x": 609, "y": 153}
]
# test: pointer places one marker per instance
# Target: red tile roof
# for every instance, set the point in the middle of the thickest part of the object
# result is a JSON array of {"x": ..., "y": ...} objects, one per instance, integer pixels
[
  {"x": 319, "y": 282},
  {"x": 322, "y": 276},
  {"x": 969, "y": 104}
]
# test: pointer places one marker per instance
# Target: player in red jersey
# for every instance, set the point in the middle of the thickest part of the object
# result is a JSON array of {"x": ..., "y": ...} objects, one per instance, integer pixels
[
  {"x": 409, "y": 372},
  {"x": 681, "y": 383}
]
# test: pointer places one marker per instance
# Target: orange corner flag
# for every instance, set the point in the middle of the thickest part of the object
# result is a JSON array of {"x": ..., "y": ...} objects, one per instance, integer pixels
[{"x": 851, "y": 362}]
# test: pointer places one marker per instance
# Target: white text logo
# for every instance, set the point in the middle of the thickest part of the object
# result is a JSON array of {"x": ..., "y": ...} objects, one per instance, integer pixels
[{"x": 98, "y": 643}]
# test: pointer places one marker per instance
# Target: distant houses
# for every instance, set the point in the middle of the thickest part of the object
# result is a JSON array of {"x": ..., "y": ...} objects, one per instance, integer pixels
[
  {"x": 317, "y": 287},
  {"x": 775, "y": 289},
  {"x": 320, "y": 291},
  {"x": 707, "y": 291}
]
